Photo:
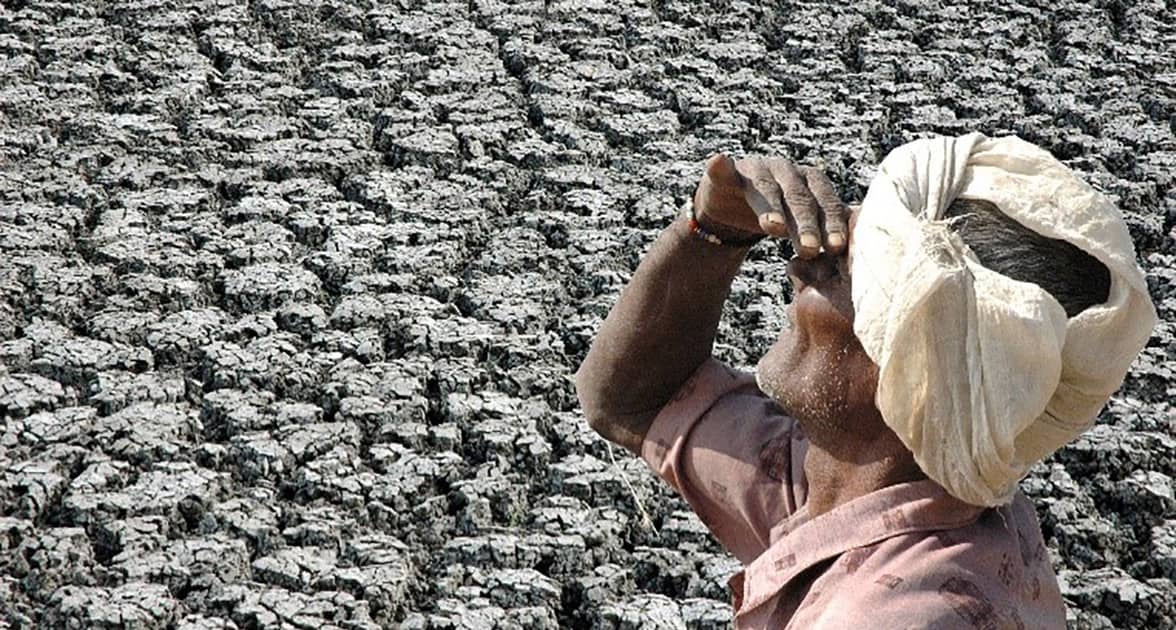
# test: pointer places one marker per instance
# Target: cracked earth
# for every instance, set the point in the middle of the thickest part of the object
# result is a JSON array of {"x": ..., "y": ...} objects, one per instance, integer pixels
[{"x": 291, "y": 291}]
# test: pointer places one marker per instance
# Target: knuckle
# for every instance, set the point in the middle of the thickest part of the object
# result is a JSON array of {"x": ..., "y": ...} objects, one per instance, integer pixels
[
  {"x": 833, "y": 208},
  {"x": 753, "y": 171},
  {"x": 767, "y": 187},
  {"x": 829, "y": 200},
  {"x": 817, "y": 178},
  {"x": 802, "y": 203},
  {"x": 748, "y": 161},
  {"x": 787, "y": 170},
  {"x": 777, "y": 162}
]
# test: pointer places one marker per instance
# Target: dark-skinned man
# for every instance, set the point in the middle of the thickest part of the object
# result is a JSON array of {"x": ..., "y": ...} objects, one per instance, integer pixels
[{"x": 970, "y": 319}]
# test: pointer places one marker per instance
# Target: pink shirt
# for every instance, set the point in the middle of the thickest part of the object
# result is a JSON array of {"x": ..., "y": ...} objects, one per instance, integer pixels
[{"x": 906, "y": 556}]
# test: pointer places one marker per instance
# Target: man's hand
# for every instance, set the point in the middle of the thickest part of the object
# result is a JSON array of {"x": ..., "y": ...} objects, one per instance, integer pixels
[
  {"x": 775, "y": 197},
  {"x": 663, "y": 326}
]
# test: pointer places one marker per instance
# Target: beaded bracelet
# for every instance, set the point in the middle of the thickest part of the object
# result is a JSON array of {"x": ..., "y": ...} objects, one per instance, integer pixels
[{"x": 701, "y": 233}]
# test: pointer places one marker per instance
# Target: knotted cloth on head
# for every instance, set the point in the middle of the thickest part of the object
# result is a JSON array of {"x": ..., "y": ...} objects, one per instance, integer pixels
[{"x": 980, "y": 375}]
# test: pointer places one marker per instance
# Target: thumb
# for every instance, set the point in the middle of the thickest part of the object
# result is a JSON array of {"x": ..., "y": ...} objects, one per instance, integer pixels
[{"x": 720, "y": 169}]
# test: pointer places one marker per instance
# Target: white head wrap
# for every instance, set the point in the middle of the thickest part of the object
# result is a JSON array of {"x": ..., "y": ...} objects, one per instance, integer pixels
[{"x": 980, "y": 375}]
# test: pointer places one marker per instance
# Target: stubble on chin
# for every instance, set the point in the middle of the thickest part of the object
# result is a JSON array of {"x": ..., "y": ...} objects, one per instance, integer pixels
[
  {"x": 772, "y": 379},
  {"x": 816, "y": 398}
]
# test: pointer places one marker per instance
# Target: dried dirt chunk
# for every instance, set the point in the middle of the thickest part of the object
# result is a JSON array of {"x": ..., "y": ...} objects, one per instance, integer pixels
[
  {"x": 169, "y": 486},
  {"x": 54, "y": 558},
  {"x": 69, "y": 425},
  {"x": 135, "y": 605},
  {"x": 433, "y": 147},
  {"x": 380, "y": 573},
  {"x": 323, "y": 525},
  {"x": 229, "y": 412},
  {"x": 257, "y": 455},
  {"x": 28, "y": 489},
  {"x": 336, "y": 476},
  {"x": 94, "y": 495},
  {"x": 74, "y": 361},
  {"x": 1127, "y": 602},
  {"x": 274, "y": 362},
  {"x": 163, "y": 253},
  {"x": 295, "y": 568},
  {"x": 706, "y": 614},
  {"x": 24, "y": 394},
  {"x": 646, "y": 611},
  {"x": 311, "y": 440},
  {"x": 187, "y": 566},
  {"x": 130, "y": 537},
  {"x": 1163, "y": 548},
  {"x": 177, "y": 338},
  {"x": 279, "y": 608},
  {"x": 67, "y": 288},
  {"x": 145, "y": 433},
  {"x": 254, "y": 242},
  {"x": 257, "y": 208},
  {"x": 116, "y": 390},
  {"x": 147, "y": 292},
  {"x": 302, "y": 318},
  {"x": 250, "y": 518},
  {"x": 269, "y": 285},
  {"x": 201, "y": 622}
]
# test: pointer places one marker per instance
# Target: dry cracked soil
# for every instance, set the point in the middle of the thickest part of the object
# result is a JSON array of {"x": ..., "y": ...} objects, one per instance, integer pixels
[{"x": 291, "y": 291}]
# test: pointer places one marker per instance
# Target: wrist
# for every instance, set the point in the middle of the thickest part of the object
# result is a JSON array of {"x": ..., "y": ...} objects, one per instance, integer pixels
[{"x": 715, "y": 232}]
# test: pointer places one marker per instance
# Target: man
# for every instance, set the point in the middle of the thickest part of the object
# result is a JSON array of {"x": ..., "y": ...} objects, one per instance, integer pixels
[{"x": 971, "y": 318}]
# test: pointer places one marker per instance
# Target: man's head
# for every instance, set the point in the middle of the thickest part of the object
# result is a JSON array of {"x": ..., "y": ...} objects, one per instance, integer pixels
[
  {"x": 979, "y": 374},
  {"x": 1074, "y": 278},
  {"x": 818, "y": 371}
]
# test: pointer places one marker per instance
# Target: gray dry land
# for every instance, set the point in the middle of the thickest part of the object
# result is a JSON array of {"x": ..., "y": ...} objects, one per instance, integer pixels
[{"x": 291, "y": 291}]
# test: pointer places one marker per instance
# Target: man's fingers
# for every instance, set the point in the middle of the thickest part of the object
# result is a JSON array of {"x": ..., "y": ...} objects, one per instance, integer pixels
[
  {"x": 802, "y": 207},
  {"x": 833, "y": 211},
  {"x": 763, "y": 195}
]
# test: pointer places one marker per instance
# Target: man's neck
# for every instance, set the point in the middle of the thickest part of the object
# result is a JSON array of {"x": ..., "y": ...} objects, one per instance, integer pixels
[{"x": 839, "y": 475}]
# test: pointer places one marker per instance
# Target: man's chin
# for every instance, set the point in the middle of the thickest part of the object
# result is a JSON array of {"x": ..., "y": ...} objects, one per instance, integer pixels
[
  {"x": 783, "y": 354},
  {"x": 770, "y": 374},
  {"x": 777, "y": 390}
]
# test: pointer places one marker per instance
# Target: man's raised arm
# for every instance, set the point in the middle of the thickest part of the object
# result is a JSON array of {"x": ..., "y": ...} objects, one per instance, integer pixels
[
  {"x": 660, "y": 330},
  {"x": 663, "y": 326}
]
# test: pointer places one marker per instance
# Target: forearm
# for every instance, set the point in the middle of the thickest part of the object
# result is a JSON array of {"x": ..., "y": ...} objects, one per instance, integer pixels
[{"x": 660, "y": 330}]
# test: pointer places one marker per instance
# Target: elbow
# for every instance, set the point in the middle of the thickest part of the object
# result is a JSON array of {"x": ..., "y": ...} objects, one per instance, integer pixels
[
  {"x": 609, "y": 428},
  {"x": 587, "y": 393},
  {"x": 593, "y": 404},
  {"x": 600, "y": 425},
  {"x": 624, "y": 430}
]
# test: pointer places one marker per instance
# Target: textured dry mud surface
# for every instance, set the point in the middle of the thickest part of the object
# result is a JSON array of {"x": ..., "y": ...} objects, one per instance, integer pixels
[{"x": 291, "y": 290}]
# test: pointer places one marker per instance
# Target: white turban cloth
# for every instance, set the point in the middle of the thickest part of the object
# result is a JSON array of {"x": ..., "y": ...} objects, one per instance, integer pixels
[{"x": 980, "y": 375}]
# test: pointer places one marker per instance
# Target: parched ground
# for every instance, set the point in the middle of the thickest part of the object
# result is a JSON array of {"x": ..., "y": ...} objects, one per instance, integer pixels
[{"x": 291, "y": 291}]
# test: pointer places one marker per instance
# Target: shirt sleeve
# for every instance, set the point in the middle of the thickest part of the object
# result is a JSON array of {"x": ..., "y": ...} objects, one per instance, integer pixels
[{"x": 727, "y": 449}]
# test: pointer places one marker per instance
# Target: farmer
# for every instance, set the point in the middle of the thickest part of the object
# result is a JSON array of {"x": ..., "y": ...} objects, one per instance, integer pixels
[{"x": 972, "y": 317}]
